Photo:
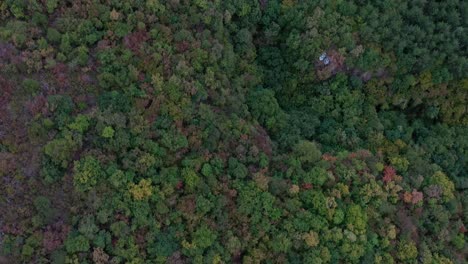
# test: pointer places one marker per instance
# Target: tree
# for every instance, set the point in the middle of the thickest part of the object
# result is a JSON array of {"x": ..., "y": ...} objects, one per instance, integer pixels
[
  {"x": 407, "y": 251},
  {"x": 237, "y": 169},
  {"x": 266, "y": 110},
  {"x": 191, "y": 179},
  {"x": 356, "y": 219},
  {"x": 81, "y": 124},
  {"x": 60, "y": 150},
  {"x": 87, "y": 172},
  {"x": 163, "y": 244},
  {"x": 51, "y": 5},
  {"x": 88, "y": 228},
  {"x": 281, "y": 243},
  {"x": 193, "y": 131},
  {"x": 203, "y": 237},
  {"x": 312, "y": 239},
  {"x": 44, "y": 208},
  {"x": 317, "y": 176},
  {"x": 76, "y": 243},
  {"x": 307, "y": 152},
  {"x": 31, "y": 86},
  {"x": 142, "y": 190},
  {"x": 99, "y": 256},
  {"x": 446, "y": 185}
]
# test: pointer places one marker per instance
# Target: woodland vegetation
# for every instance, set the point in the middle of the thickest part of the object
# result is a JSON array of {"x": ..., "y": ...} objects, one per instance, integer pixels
[{"x": 209, "y": 131}]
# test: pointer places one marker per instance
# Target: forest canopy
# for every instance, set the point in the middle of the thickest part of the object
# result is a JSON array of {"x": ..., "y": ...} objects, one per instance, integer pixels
[{"x": 154, "y": 131}]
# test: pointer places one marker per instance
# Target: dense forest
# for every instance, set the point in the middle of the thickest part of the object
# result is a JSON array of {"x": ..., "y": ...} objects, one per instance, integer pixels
[{"x": 233, "y": 131}]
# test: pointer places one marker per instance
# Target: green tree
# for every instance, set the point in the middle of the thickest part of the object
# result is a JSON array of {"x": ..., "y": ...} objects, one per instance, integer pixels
[
  {"x": 76, "y": 243},
  {"x": 60, "y": 150},
  {"x": 307, "y": 152},
  {"x": 81, "y": 124},
  {"x": 191, "y": 179},
  {"x": 87, "y": 227},
  {"x": 407, "y": 251},
  {"x": 441, "y": 180},
  {"x": 31, "y": 86},
  {"x": 108, "y": 132},
  {"x": 203, "y": 237},
  {"x": 356, "y": 219},
  {"x": 87, "y": 172},
  {"x": 142, "y": 190},
  {"x": 317, "y": 176},
  {"x": 266, "y": 110}
]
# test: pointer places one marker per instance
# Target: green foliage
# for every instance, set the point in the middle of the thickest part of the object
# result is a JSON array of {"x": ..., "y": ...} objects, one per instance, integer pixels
[
  {"x": 118, "y": 179},
  {"x": 441, "y": 180},
  {"x": 459, "y": 241},
  {"x": 203, "y": 237},
  {"x": 27, "y": 251},
  {"x": 317, "y": 176},
  {"x": 407, "y": 251},
  {"x": 108, "y": 132},
  {"x": 281, "y": 243},
  {"x": 191, "y": 179},
  {"x": 81, "y": 124},
  {"x": 174, "y": 140},
  {"x": 77, "y": 243},
  {"x": 401, "y": 164},
  {"x": 237, "y": 169},
  {"x": 266, "y": 110},
  {"x": 60, "y": 150},
  {"x": 51, "y": 5},
  {"x": 17, "y": 11},
  {"x": 53, "y": 36},
  {"x": 65, "y": 46},
  {"x": 119, "y": 229},
  {"x": 44, "y": 208},
  {"x": 142, "y": 190},
  {"x": 307, "y": 152},
  {"x": 31, "y": 86},
  {"x": 87, "y": 172},
  {"x": 356, "y": 219},
  {"x": 81, "y": 56},
  {"x": 87, "y": 227},
  {"x": 207, "y": 170},
  {"x": 212, "y": 132},
  {"x": 164, "y": 244}
]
